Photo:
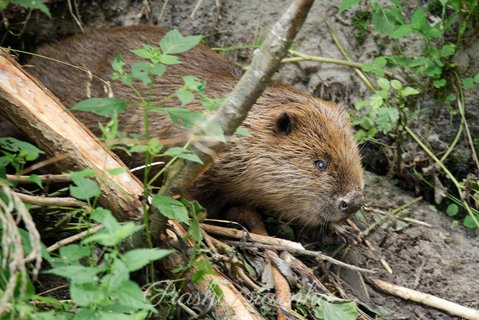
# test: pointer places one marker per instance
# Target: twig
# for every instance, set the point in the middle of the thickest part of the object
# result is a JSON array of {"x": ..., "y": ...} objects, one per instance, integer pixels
[
  {"x": 381, "y": 258},
  {"x": 195, "y": 9},
  {"x": 46, "y": 178},
  {"x": 74, "y": 238},
  {"x": 240, "y": 234},
  {"x": 427, "y": 299},
  {"x": 44, "y": 163},
  {"x": 305, "y": 252},
  {"x": 163, "y": 8},
  {"x": 305, "y": 57},
  {"x": 51, "y": 201}
]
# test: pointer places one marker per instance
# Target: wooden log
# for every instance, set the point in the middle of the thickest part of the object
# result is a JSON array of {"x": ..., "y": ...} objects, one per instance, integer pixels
[{"x": 34, "y": 109}]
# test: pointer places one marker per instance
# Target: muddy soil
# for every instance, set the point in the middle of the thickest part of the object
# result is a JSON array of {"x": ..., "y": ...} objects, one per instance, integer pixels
[{"x": 440, "y": 260}]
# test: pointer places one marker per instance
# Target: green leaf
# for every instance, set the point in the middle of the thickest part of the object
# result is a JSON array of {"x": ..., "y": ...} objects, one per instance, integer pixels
[
  {"x": 382, "y": 23},
  {"x": 85, "y": 314},
  {"x": 36, "y": 179},
  {"x": 396, "y": 84},
  {"x": 139, "y": 71},
  {"x": 84, "y": 189},
  {"x": 452, "y": 209},
  {"x": 113, "y": 236},
  {"x": 118, "y": 64},
  {"x": 86, "y": 294},
  {"x": 448, "y": 50},
  {"x": 101, "y": 106},
  {"x": 185, "y": 96},
  {"x": 138, "y": 258},
  {"x": 131, "y": 296},
  {"x": 203, "y": 267},
  {"x": 409, "y": 91},
  {"x": 211, "y": 104},
  {"x": 469, "y": 222},
  {"x": 183, "y": 154},
  {"x": 451, "y": 97},
  {"x": 468, "y": 83},
  {"x": 33, "y": 4},
  {"x": 116, "y": 277},
  {"x": 168, "y": 59},
  {"x": 384, "y": 84},
  {"x": 337, "y": 309},
  {"x": 170, "y": 208},
  {"x": 148, "y": 52},
  {"x": 376, "y": 101},
  {"x": 195, "y": 229},
  {"x": 24, "y": 149},
  {"x": 76, "y": 273},
  {"x": 174, "y": 42},
  {"x": 401, "y": 31},
  {"x": 193, "y": 83},
  {"x": 387, "y": 118},
  {"x": 114, "y": 232},
  {"x": 346, "y": 4},
  {"x": 74, "y": 252},
  {"x": 476, "y": 78},
  {"x": 360, "y": 104},
  {"x": 181, "y": 115},
  {"x": 439, "y": 83},
  {"x": 418, "y": 19}
]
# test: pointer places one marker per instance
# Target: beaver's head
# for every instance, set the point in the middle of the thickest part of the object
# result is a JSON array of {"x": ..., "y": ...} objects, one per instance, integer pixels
[{"x": 301, "y": 162}]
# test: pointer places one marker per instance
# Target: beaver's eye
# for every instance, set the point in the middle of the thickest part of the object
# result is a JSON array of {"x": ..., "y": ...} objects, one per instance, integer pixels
[{"x": 320, "y": 164}]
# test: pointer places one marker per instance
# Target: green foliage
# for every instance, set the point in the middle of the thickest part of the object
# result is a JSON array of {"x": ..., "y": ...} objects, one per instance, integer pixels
[
  {"x": 103, "y": 288},
  {"x": 100, "y": 285},
  {"x": 17, "y": 153},
  {"x": 381, "y": 116},
  {"x": 29, "y": 4}
]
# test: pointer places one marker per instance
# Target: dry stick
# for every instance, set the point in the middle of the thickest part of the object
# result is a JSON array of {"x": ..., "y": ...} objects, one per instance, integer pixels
[
  {"x": 74, "y": 238},
  {"x": 44, "y": 163},
  {"x": 212, "y": 243},
  {"x": 316, "y": 254},
  {"x": 51, "y": 201},
  {"x": 71, "y": 239},
  {"x": 382, "y": 260},
  {"x": 27, "y": 104},
  {"x": 46, "y": 178},
  {"x": 427, "y": 299},
  {"x": 240, "y": 234},
  {"x": 299, "y": 56}
]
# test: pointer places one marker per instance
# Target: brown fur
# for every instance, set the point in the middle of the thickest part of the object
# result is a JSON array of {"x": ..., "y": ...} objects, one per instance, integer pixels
[{"x": 273, "y": 170}]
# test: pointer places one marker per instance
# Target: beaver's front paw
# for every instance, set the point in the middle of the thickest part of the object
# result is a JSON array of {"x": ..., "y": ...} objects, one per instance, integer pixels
[{"x": 345, "y": 233}]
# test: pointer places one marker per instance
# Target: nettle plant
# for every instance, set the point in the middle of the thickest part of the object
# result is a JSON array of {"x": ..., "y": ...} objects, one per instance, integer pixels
[
  {"x": 100, "y": 285},
  {"x": 429, "y": 70}
]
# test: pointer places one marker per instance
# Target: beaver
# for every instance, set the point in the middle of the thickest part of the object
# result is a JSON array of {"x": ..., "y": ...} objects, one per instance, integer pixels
[{"x": 300, "y": 162}]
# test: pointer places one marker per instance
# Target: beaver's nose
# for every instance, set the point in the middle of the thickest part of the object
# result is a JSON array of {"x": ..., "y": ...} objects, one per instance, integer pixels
[{"x": 350, "y": 203}]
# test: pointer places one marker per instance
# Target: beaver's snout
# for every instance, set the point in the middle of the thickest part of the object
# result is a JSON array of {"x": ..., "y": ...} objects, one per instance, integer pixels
[{"x": 349, "y": 203}]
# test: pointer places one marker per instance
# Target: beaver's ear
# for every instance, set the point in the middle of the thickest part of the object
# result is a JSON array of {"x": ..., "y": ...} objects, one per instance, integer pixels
[{"x": 284, "y": 123}]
